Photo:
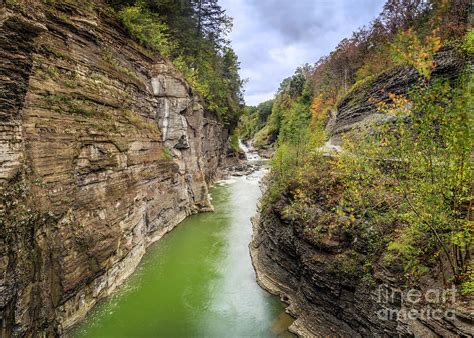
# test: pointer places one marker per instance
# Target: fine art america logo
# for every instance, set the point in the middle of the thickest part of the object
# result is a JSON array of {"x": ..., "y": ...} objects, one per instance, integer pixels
[{"x": 413, "y": 304}]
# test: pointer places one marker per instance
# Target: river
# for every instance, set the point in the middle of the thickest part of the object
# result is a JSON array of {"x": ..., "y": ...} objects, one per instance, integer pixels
[{"x": 198, "y": 280}]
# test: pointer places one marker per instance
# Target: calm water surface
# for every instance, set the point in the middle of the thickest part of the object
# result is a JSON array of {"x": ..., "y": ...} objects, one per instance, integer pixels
[{"x": 197, "y": 281}]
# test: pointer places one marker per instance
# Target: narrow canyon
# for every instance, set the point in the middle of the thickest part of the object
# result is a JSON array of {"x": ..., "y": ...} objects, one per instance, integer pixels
[{"x": 141, "y": 196}]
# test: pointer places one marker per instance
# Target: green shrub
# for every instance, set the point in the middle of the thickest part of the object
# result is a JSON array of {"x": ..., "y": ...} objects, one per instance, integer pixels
[
  {"x": 148, "y": 28},
  {"x": 234, "y": 141}
]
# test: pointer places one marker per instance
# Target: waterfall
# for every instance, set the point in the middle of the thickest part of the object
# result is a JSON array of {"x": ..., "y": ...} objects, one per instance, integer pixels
[{"x": 251, "y": 155}]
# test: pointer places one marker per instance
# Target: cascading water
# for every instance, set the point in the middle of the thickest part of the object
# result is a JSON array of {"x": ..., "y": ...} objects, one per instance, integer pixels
[{"x": 251, "y": 155}]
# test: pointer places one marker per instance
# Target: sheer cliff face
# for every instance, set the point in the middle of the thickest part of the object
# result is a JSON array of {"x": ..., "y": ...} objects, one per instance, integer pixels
[
  {"x": 328, "y": 303},
  {"x": 103, "y": 149}
]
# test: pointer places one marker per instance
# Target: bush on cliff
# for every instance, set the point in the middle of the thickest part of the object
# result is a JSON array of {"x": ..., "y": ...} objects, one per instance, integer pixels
[
  {"x": 400, "y": 193},
  {"x": 193, "y": 34}
]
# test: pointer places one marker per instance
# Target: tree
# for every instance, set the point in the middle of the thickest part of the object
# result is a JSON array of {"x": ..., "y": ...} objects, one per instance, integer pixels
[
  {"x": 401, "y": 14},
  {"x": 212, "y": 22},
  {"x": 264, "y": 110},
  {"x": 193, "y": 33}
]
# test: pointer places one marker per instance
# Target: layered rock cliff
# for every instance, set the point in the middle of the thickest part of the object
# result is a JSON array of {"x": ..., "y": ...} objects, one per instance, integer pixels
[
  {"x": 358, "y": 107},
  {"x": 324, "y": 279},
  {"x": 326, "y": 295},
  {"x": 104, "y": 148}
]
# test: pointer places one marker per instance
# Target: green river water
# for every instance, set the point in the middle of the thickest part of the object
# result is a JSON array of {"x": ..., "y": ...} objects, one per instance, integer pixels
[{"x": 197, "y": 281}]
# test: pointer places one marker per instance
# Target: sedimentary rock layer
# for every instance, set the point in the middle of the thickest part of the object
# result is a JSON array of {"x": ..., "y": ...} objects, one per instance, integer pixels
[
  {"x": 104, "y": 147},
  {"x": 325, "y": 301}
]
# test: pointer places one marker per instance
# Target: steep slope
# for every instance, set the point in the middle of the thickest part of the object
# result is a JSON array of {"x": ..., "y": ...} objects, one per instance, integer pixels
[
  {"x": 320, "y": 267},
  {"x": 358, "y": 107},
  {"x": 104, "y": 148}
]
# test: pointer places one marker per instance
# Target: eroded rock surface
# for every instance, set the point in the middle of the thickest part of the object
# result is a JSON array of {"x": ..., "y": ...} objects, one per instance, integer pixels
[
  {"x": 313, "y": 280},
  {"x": 327, "y": 303},
  {"x": 104, "y": 148},
  {"x": 358, "y": 108}
]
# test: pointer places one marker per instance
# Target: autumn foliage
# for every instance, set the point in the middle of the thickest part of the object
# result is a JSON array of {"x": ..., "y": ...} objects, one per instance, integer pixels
[{"x": 409, "y": 48}]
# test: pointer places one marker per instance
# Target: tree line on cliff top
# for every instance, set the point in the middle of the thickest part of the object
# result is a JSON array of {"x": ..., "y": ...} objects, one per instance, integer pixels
[
  {"x": 356, "y": 60},
  {"x": 193, "y": 34},
  {"x": 399, "y": 197}
]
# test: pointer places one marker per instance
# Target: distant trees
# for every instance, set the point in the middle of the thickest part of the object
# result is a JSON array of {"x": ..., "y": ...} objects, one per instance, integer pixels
[
  {"x": 369, "y": 50},
  {"x": 264, "y": 110},
  {"x": 401, "y": 14},
  {"x": 254, "y": 119},
  {"x": 293, "y": 86}
]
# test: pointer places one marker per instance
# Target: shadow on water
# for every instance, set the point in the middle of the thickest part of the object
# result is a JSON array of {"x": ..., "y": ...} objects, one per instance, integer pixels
[{"x": 198, "y": 280}]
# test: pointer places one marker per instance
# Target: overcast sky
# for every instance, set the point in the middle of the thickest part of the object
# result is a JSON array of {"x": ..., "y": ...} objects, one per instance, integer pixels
[{"x": 273, "y": 37}]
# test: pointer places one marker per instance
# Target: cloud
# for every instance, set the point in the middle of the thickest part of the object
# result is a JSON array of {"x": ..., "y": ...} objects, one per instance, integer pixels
[
  {"x": 293, "y": 20},
  {"x": 273, "y": 37},
  {"x": 259, "y": 98}
]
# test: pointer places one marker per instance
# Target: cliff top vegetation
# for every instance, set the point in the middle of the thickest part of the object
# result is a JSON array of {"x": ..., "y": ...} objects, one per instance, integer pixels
[{"x": 399, "y": 195}]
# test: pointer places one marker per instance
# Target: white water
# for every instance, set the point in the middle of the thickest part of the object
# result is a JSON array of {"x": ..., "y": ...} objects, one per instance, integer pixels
[{"x": 251, "y": 155}]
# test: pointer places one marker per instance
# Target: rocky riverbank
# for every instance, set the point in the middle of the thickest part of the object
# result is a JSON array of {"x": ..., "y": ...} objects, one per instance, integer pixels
[
  {"x": 276, "y": 287},
  {"x": 104, "y": 148}
]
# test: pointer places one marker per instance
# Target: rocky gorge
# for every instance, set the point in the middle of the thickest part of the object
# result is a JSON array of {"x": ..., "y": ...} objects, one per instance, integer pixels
[
  {"x": 320, "y": 280},
  {"x": 120, "y": 119},
  {"x": 104, "y": 148}
]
